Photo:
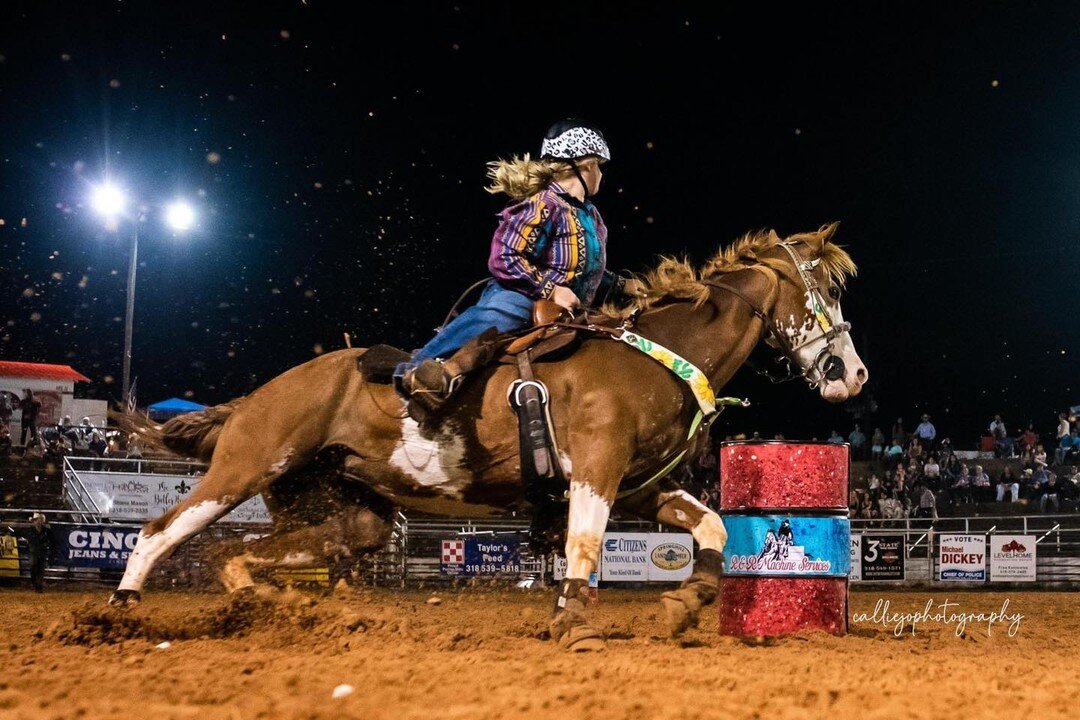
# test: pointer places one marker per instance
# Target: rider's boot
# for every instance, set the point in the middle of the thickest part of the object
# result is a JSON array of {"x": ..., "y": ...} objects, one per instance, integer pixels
[{"x": 429, "y": 385}]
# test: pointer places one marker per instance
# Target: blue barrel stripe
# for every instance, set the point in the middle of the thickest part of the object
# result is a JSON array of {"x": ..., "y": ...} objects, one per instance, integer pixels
[{"x": 787, "y": 545}]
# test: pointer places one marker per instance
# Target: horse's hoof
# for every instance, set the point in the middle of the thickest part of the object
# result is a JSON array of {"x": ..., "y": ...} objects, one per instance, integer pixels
[
  {"x": 124, "y": 598},
  {"x": 681, "y": 610},
  {"x": 582, "y": 638}
]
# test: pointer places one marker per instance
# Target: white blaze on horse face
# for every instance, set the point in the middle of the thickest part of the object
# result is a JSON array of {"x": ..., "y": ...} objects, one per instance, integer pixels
[
  {"x": 150, "y": 548},
  {"x": 855, "y": 373},
  {"x": 585, "y": 531},
  {"x": 437, "y": 462}
]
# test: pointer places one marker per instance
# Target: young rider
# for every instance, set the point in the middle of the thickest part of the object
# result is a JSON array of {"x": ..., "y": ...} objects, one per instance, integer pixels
[{"x": 550, "y": 244}]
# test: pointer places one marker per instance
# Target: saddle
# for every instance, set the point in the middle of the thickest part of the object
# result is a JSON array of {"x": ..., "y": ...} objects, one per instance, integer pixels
[
  {"x": 554, "y": 333},
  {"x": 543, "y": 338}
]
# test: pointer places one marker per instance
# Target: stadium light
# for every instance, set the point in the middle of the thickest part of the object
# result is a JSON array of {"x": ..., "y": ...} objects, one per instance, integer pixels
[
  {"x": 108, "y": 200},
  {"x": 180, "y": 216}
]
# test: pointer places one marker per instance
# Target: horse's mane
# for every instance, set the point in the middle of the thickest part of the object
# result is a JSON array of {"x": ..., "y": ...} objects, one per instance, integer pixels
[{"x": 676, "y": 279}]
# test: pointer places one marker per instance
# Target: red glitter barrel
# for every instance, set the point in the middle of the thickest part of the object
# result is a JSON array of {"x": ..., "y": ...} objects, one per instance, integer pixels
[{"x": 785, "y": 508}]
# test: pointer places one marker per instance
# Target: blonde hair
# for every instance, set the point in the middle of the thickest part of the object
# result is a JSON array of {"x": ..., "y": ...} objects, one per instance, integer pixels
[{"x": 523, "y": 177}]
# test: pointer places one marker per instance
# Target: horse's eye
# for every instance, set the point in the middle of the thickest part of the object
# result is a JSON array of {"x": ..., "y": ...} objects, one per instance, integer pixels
[{"x": 834, "y": 292}]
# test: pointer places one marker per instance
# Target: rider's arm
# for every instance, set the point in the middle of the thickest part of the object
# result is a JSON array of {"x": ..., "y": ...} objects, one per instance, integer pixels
[
  {"x": 612, "y": 289},
  {"x": 530, "y": 229}
]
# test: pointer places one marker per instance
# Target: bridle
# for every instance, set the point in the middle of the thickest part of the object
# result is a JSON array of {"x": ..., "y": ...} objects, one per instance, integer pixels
[{"x": 827, "y": 365}]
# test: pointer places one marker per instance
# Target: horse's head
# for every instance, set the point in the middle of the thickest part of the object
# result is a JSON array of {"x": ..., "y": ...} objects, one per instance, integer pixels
[{"x": 807, "y": 321}]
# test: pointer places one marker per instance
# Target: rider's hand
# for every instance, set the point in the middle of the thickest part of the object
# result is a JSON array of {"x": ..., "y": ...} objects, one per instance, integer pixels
[{"x": 565, "y": 298}]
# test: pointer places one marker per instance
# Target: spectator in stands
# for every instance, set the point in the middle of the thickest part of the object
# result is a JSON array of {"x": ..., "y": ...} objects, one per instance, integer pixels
[
  {"x": 1070, "y": 489},
  {"x": 877, "y": 444},
  {"x": 5, "y": 439},
  {"x": 894, "y": 454},
  {"x": 1029, "y": 489},
  {"x": 945, "y": 450},
  {"x": 1066, "y": 446},
  {"x": 1029, "y": 438},
  {"x": 960, "y": 490},
  {"x": 68, "y": 432},
  {"x": 857, "y": 438},
  {"x": 932, "y": 470},
  {"x": 7, "y": 409},
  {"x": 1063, "y": 426},
  {"x": 1007, "y": 482},
  {"x": 836, "y": 438},
  {"x": 1040, "y": 477},
  {"x": 1050, "y": 494},
  {"x": 914, "y": 450},
  {"x": 1003, "y": 444},
  {"x": 31, "y": 408},
  {"x": 927, "y": 503},
  {"x": 926, "y": 432},
  {"x": 38, "y": 547},
  {"x": 898, "y": 435},
  {"x": 705, "y": 471},
  {"x": 980, "y": 485},
  {"x": 1040, "y": 455}
]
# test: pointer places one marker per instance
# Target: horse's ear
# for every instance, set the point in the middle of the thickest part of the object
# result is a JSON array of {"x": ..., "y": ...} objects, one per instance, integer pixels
[
  {"x": 773, "y": 237},
  {"x": 827, "y": 231}
]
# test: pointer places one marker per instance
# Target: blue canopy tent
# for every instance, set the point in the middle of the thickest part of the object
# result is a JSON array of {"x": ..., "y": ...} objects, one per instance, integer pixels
[{"x": 171, "y": 408}]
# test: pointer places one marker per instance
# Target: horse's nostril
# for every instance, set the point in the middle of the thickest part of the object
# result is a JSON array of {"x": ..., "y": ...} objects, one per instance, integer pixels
[{"x": 861, "y": 374}]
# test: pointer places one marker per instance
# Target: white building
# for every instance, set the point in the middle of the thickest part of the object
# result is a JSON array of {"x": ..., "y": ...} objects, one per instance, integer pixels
[{"x": 54, "y": 386}]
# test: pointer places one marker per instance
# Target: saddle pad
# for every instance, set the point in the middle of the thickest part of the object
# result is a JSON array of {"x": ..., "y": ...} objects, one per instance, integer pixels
[{"x": 378, "y": 363}]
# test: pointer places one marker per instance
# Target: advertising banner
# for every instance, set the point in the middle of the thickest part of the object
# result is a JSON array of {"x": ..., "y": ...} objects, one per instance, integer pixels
[
  {"x": 145, "y": 496},
  {"x": 671, "y": 556},
  {"x": 105, "y": 547},
  {"x": 962, "y": 557},
  {"x": 882, "y": 557},
  {"x": 664, "y": 557},
  {"x": 624, "y": 557},
  {"x": 1012, "y": 558},
  {"x": 787, "y": 545},
  {"x": 558, "y": 568},
  {"x": 473, "y": 557},
  {"x": 856, "y": 558}
]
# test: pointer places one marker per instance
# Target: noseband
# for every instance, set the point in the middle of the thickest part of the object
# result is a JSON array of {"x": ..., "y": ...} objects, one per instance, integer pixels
[{"x": 827, "y": 365}]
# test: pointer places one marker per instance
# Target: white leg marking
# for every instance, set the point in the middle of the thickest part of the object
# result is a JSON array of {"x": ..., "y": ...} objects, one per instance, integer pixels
[
  {"x": 709, "y": 531},
  {"x": 585, "y": 533},
  {"x": 150, "y": 548},
  {"x": 237, "y": 572}
]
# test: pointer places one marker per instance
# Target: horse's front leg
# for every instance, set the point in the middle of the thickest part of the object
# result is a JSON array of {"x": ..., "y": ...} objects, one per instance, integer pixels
[
  {"x": 599, "y": 454},
  {"x": 682, "y": 606},
  {"x": 589, "y": 510}
]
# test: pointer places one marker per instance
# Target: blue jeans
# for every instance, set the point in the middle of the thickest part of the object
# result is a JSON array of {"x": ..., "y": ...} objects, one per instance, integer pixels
[{"x": 498, "y": 307}]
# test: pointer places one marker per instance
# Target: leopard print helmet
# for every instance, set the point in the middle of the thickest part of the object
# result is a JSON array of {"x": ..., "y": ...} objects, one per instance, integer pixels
[{"x": 572, "y": 139}]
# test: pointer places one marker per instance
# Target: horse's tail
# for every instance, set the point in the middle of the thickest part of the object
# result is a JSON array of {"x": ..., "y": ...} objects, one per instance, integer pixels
[{"x": 191, "y": 435}]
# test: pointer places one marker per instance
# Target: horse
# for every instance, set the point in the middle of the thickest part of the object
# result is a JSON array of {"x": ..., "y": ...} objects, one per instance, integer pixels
[{"x": 617, "y": 415}]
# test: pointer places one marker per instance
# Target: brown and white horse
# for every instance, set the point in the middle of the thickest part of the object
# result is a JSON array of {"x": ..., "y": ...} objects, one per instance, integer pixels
[{"x": 616, "y": 411}]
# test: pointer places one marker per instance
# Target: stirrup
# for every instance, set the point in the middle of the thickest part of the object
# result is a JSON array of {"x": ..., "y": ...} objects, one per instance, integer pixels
[{"x": 428, "y": 387}]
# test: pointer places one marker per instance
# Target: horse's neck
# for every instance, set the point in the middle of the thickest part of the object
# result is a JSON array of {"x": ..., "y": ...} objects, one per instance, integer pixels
[{"x": 718, "y": 336}]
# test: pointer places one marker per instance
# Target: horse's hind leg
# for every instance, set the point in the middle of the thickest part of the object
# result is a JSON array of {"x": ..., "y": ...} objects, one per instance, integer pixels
[
  {"x": 217, "y": 494},
  {"x": 677, "y": 507},
  {"x": 351, "y": 532}
]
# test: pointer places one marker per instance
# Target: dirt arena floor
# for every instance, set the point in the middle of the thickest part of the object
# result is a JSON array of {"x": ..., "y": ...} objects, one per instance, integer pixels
[{"x": 476, "y": 653}]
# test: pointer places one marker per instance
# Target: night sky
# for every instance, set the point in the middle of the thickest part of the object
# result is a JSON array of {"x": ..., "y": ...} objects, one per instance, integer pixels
[{"x": 337, "y": 162}]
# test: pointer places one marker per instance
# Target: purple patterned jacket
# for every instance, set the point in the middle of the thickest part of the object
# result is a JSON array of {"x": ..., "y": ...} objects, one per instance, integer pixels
[{"x": 550, "y": 239}]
